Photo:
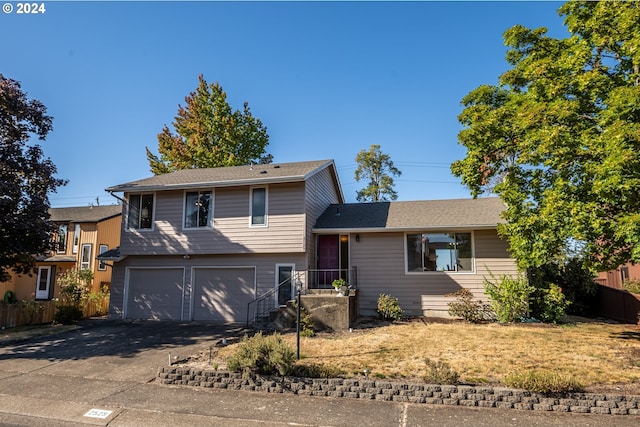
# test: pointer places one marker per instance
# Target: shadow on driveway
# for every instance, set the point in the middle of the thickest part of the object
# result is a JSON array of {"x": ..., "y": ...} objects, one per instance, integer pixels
[{"x": 125, "y": 339}]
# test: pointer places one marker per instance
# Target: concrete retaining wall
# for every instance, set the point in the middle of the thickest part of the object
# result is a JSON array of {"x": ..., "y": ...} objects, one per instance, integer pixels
[{"x": 369, "y": 389}]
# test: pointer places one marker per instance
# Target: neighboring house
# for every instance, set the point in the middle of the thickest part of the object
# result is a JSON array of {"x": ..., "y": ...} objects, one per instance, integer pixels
[
  {"x": 82, "y": 234},
  {"x": 616, "y": 278},
  {"x": 201, "y": 244},
  {"x": 416, "y": 251}
]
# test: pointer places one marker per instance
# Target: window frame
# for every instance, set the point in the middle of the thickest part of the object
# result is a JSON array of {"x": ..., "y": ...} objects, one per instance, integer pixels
[
  {"x": 102, "y": 265},
  {"x": 62, "y": 238},
  {"x": 447, "y": 231},
  {"x": 82, "y": 261},
  {"x": 139, "y": 208},
  {"x": 265, "y": 222},
  {"x": 210, "y": 221},
  {"x": 76, "y": 238}
]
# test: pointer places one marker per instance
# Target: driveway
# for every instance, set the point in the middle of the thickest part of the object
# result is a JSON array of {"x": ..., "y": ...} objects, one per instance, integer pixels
[{"x": 102, "y": 374}]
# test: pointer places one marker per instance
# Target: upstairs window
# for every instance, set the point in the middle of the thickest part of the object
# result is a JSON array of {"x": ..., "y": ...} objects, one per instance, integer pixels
[
  {"x": 140, "y": 215},
  {"x": 76, "y": 238},
  {"x": 61, "y": 239},
  {"x": 439, "y": 252},
  {"x": 258, "y": 206},
  {"x": 85, "y": 256},
  {"x": 198, "y": 209}
]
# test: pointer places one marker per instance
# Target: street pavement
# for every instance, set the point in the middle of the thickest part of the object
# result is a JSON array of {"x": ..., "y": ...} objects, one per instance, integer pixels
[{"x": 103, "y": 374}]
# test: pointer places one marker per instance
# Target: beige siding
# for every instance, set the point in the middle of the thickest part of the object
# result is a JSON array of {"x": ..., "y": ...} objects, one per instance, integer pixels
[
  {"x": 107, "y": 233},
  {"x": 380, "y": 262},
  {"x": 232, "y": 233},
  {"x": 264, "y": 264},
  {"x": 320, "y": 192}
]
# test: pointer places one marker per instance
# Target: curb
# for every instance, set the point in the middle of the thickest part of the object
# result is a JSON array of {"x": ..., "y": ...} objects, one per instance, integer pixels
[{"x": 433, "y": 394}]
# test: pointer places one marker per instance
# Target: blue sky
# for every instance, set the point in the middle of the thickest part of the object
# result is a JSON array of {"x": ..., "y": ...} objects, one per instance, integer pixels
[{"x": 327, "y": 79}]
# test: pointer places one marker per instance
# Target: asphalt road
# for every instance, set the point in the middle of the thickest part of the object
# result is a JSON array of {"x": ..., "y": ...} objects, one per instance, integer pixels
[{"x": 103, "y": 374}]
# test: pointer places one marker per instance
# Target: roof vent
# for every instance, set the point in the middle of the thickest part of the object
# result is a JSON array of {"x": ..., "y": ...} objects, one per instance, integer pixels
[
  {"x": 276, "y": 167},
  {"x": 263, "y": 172}
]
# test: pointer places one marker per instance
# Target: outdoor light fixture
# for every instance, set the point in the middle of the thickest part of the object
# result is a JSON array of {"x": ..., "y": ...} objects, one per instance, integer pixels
[{"x": 298, "y": 292}]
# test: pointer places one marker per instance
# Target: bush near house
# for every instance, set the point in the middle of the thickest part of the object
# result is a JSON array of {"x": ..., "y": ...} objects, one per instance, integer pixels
[
  {"x": 389, "y": 307},
  {"x": 469, "y": 308},
  {"x": 509, "y": 297}
]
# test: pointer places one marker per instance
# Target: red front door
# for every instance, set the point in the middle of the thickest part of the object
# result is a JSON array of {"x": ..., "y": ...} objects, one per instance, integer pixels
[{"x": 328, "y": 258}]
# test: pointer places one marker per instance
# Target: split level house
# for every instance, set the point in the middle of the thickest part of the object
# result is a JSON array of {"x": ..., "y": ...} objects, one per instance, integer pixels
[
  {"x": 82, "y": 234},
  {"x": 202, "y": 244}
]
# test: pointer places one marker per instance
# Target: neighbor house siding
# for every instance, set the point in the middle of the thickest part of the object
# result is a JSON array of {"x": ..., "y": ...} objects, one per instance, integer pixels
[
  {"x": 107, "y": 233},
  {"x": 380, "y": 261},
  {"x": 264, "y": 266},
  {"x": 231, "y": 233}
]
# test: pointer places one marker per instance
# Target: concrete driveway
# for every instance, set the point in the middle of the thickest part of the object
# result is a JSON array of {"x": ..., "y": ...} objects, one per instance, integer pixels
[{"x": 102, "y": 374}]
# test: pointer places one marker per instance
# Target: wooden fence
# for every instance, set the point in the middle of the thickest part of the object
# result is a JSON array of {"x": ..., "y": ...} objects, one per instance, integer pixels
[
  {"x": 618, "y": 304},
  {"x": 41, "y": 312}
]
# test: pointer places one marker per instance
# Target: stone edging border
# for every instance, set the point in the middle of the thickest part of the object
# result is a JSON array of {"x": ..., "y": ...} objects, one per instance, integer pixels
[{"x": 370, "y": 389}]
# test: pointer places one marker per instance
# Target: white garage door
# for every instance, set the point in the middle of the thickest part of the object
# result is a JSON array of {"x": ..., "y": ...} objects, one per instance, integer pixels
[
  {"x": 222, "y": 294},
  {"x": 155, "y": 294}
]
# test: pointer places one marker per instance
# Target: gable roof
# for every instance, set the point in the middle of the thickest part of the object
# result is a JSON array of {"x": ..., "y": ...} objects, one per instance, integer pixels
[
  {"x": 229, "y": 176},
  {"x": 396, "y": 216},
  {"x": 85, "y": 213}
]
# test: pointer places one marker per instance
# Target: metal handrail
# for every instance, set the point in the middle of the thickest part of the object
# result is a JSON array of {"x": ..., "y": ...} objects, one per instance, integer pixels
[
  {"x": 264, "y": 304},
  {"x": 323, "y": 278}
]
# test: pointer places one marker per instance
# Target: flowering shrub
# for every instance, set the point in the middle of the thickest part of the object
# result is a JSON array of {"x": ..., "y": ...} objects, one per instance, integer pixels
[{"x": 389, "y": 307}]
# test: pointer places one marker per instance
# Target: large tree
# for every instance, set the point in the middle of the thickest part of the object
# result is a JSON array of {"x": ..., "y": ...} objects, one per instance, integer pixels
[
  {"x": 378, "y": 170},
  {"x": 558, "y": 139},
  {"x": 26, "y": 179},
  {"x": 210, "y": 134}
]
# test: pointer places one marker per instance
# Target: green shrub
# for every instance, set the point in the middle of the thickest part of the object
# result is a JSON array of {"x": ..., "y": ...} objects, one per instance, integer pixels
[
  {"x": 469, "y": 308},
  {"x": 268, "y": 355},
  {"x": 67, "y": 314},
  {"x": 543, "y": 382},
  {"x": 551, "y": 304},
  {"x": 317, "y": 371},
  {"x": 578, "y": 286},
  {"x": 389, "y": 307},
  {"x": 632, "y": 286},
  {"x": 439, "y": 373},
  {"x": 509, "y": 297}
]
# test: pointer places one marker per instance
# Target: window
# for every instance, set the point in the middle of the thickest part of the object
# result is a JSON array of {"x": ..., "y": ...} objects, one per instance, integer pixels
[
  {"x": 85, "y": 256},
  {"x": 76, "y": 237},
  {"x": 198, "y": 209},
  {"x": 140, "y": 211},
  {"x": 259, "y": 206},
  {"x": 61, "y": 242},
  {"x": 439, "y": 252},
  {"x": 102, "y": 265}
]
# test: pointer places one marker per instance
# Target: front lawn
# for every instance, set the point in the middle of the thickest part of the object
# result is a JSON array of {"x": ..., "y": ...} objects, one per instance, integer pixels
[{"x": 595, "y": 354}]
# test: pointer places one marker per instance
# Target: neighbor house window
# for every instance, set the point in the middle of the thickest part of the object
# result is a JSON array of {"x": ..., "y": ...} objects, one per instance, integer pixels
[
  {"x": 76, "y": 238},
  {"x": 85, "y": 256},
  {"x": 259, "y": 206},
  {"x": 102, "y": 265},
  {"x": 439, "y": 252},
  {"x": 198, "y": 209},
  {"x": 140, "y": 211},
  {"x": 61, "y": 241}
]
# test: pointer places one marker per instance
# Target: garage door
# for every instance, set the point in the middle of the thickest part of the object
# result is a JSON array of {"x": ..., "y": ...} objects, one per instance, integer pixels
[
  {"x": 155, "y": 294},
  {"x": 222, "y": 294}
]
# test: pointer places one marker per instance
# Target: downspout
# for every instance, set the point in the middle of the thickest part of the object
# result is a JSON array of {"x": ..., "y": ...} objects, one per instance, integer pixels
[{"x": 118, "y": 197}]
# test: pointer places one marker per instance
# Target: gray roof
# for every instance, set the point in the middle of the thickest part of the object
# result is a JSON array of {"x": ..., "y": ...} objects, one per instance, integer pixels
[
  {"x": 385, "y": 216},
  {"x": 227, "y": 176},
  {"x": 85, "y": 213}
]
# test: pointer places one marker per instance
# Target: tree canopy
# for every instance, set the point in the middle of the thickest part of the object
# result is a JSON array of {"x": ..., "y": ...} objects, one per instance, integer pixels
[
  {"x": 378, "y": 170},
  {"x": 558, "y": 138},
  {"x": 210, "y": 134},
  {"x": 26, "y": 179}
]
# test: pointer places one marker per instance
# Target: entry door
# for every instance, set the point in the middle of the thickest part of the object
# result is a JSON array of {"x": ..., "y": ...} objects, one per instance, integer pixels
[
  {"x": 43, "y": 286},
  {"x": 328, "y": 258},
  {"x": 284, "y": 283}
]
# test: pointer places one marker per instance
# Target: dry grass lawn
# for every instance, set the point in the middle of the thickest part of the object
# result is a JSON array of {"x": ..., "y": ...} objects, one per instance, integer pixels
[{"x": 593, "y": 353}]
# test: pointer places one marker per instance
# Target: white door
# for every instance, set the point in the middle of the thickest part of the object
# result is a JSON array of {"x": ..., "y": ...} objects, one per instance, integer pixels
[{"x": 43, "y": 286}]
